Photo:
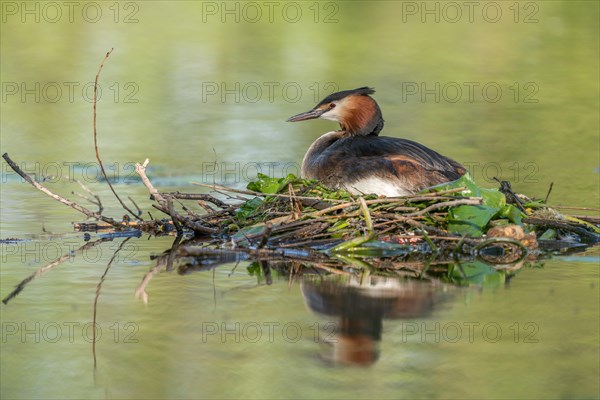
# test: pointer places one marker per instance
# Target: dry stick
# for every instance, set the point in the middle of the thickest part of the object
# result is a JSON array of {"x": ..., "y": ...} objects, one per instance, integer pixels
[
  {"x": 577, "y": 208},
  {"x": 228, "y": 210},
  {"x": 330, "y": 209},
  {"x": 163, "y": 206},
  {"x": 139, "y": 211},
  {"x": 417, "y": 224},
  {"x": 443, "y": 195},
  {"x": 230, "y": 196},
  {"x": 295, "y": 234},
  {"x": 511, "y": 197},
  {"x": 389, "y": 215},
  {"x": 331, "y": 269},
  {"x": 549, "y": 191},
  {"x": 253, "y": 193},
  {"x": 416, "y": 197},
  {"x": 140, "y": 169},
  {"x": 206, "y": 207},
  {"x": 587, "y": 218},
  {"x": 355, "y": 242},
  {"x": 353, "y": 203},
  {"x": 386, "y": 230},
  {"x": 174, "y": 216},
  {"x": 62, "y": 200},
  {"x": 472, "y": 201},
  {"x": 317, "y": 203},
  {"x": 187, "y": 222},
  {"x": 198, "y": 196},
  {"x": 295, "y": 208},
  {"x": 392, "y": 221},
  {"x": 291, "y": 193},
  {"x": 547, "y": 223},
  {"x": 444, "y": 192},
  {"x": 189, "y": 212},
  {"x": 98, "y": 201},
  {"x": 265, "y": 236},
  {"x": 96, "y": 141},
  {"x": 87, "y": 198}
]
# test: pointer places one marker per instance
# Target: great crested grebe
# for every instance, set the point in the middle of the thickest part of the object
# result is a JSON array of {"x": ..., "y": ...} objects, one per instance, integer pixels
[{"x": 357, "y": 159}]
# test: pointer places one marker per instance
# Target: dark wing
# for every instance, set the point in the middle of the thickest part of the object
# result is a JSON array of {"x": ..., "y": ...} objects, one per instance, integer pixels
[{"x": 414, "y": 166}]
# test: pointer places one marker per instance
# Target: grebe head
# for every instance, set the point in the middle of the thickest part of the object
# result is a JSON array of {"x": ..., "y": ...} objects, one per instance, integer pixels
[{"x": 356, "y": 111}]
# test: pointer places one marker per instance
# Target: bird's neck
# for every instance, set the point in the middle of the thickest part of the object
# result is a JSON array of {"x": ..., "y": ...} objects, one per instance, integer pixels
[
  {"x": 362, "y": 117},
  {"x": 310, "y": 164}
]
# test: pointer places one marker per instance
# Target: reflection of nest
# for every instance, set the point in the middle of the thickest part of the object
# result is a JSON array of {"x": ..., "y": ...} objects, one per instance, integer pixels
[
  {"x": 501, "y": 253},
  {"x": 507, "y": 244}
]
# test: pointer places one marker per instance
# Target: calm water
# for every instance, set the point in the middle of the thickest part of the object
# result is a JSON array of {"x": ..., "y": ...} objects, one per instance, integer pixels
[{"x": 513, "y": 95}]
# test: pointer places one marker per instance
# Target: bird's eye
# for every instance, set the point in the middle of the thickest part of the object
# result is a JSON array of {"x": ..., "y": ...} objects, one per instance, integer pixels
[{"x": 331, "y": 105}]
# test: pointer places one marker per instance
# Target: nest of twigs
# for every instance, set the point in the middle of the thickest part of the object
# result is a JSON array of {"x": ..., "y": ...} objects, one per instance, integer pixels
[{"x": 292, "y": 218}]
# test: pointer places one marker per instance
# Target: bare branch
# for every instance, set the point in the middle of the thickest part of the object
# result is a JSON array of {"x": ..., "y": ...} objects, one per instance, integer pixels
[
  {"x": 64, "y": 201},
  {"x": 96, "y": 141}
]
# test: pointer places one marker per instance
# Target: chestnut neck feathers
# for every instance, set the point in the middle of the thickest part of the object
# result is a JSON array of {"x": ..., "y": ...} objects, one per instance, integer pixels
[{"x": 360, "y": 115}]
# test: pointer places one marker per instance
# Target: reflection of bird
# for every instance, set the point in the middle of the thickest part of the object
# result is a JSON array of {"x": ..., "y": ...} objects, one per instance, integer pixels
[
  {"x": 359, "y": 308},
  {"x": 357, "y": 159}
]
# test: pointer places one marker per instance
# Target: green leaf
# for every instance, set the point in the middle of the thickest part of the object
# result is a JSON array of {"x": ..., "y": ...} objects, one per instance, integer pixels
[
  {"x": 513, "y": 214},
  {"x": 266, "y": 184},
  {"x": 290, "y": 178},
  {"x": 492, "y": 198},
  {"x": 241, "y": 235},
  {"x": 550, "y": 234},
  {"x": 471, "y": 189},
  {"x": 470, "y": 220},
  {"x": 248, "y": 208},
  {"x": 254, "y": 269},
  {"x": 340, "y": 224},
  {"x": 377, "y": 248},
  {"x": 478, "y": 273}
]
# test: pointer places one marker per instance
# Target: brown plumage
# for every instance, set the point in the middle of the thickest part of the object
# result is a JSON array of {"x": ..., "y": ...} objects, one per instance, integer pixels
[{"x": 357, "y": 159}]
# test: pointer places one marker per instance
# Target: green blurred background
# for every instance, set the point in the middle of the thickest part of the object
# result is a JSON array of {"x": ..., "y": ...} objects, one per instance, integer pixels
[{"x": 187, "y": 78}]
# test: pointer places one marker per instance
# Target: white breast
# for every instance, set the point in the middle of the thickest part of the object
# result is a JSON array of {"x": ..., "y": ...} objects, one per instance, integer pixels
[{"x": 381, "y": 187}]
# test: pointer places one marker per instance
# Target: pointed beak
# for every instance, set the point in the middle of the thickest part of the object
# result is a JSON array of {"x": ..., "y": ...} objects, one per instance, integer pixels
[{"x": 312, "y": 114}]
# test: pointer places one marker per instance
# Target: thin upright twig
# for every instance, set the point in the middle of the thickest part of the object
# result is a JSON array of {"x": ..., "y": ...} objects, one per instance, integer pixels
[
  {"x": 548, "y": 194},
  {"x": 140, "y": 169},
  {"x": 98, "y": 202},
  {"x": 96, "y": 141},
  {"x": 139, "y": 211}
]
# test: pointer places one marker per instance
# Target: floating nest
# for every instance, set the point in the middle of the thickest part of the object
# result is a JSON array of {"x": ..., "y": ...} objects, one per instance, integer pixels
[{"x": 282, "y": 220}]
